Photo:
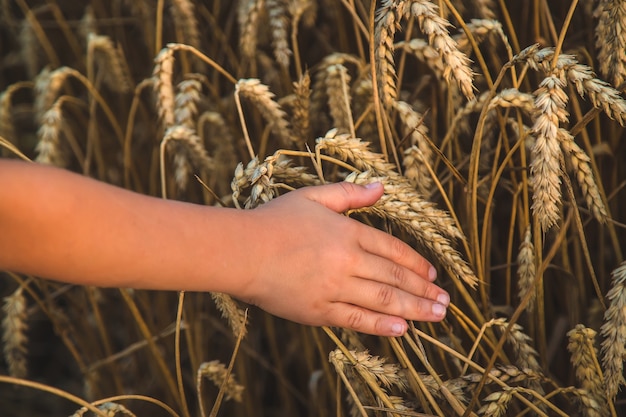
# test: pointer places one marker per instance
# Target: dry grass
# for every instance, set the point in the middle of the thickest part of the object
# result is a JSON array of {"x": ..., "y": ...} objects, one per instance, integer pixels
[{"x": 500, "y": 149}]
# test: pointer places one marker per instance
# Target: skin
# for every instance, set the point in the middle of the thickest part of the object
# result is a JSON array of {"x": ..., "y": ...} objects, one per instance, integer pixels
[{"x": 294, "y": 257}]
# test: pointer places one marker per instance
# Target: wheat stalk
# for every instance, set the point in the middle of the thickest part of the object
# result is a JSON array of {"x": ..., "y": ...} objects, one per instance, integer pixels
[
  {"x": 614, "y": 333},
  {"x": 14, "y": 328}
]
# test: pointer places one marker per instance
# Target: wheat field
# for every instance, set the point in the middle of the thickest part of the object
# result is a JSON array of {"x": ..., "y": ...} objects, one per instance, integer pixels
[{"x": 496, "y": 127}]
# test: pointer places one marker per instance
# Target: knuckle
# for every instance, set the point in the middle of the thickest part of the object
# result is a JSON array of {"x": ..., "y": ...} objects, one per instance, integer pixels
[
  {"x": 430, "y": 292},
  {"x": 385, "y": 295},
  {"x": 399, "y": 249},
  {"x": 355, "y": 319},
  {"x": 399, "y": 276}
]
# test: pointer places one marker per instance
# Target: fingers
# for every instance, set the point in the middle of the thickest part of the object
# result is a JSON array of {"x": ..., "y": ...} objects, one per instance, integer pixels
[
  {"x": 428, "y": 303},
  {"x": 365, "y": 321},
  {"x": 393, "y": 249},
  {"x": 343, "y": 196}
]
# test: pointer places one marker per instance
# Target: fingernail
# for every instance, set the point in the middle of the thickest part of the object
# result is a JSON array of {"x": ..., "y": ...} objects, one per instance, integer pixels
[
  {"x": 443, "y": 299},
  {"x": 439, "y": 310},
  {"x": 398, "y": 329},
  {"x": 432, "y": 273},
  {"x": 372, "y": 185}
]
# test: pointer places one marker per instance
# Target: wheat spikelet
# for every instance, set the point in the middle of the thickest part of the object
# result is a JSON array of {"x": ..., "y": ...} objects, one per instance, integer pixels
[
  {"x": 297, "y": 176},
  {"x": 545, "y": 166},
  {"x": 248, "y": 15},
  {"x": 402, "y": 205},
  {"x": 496, "y": 403},
  {"x": 260, "y": 95},
  {"x": 277, "y": 13},
  {"x": 218, "y": 374},
  {"x": 526, "y": 269},
  {"x": 337, "y": 88},
  {"x": 241, "y": 178},
  {"x": 14, "y": 337},
  {"x": 419, "y": 154},
  {"x": 49, "y": 150},
  {"x": 583, "y": 357},
  {"x": 230, "y": 311},
  {"x": 614, "y": 333},
  {"x": 578, "y": 160},
  {"x": 184, "y": 14},
  {"x": 611, "y": 39},
  {"x": 111, "y": 63},
  {"x": 436, "y": 28},
  {"x": 163, "y": 86},
  {"x": 300, "y": 119},
  {"x": 387, "y": 22}
]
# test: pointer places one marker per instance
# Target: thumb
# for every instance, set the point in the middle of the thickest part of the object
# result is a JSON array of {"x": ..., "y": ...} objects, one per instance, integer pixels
[{"x": 343, "y": 196}]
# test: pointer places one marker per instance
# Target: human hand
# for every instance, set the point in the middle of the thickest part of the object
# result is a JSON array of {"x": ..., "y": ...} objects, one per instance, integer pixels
[{"x": 318, "y": 267}]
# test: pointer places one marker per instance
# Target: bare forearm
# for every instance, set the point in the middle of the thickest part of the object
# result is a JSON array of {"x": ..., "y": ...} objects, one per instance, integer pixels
[{"x": 63, "y": 226}]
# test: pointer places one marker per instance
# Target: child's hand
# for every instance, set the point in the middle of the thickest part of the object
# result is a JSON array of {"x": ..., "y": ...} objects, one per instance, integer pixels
[{"x": 318, "y": 267}]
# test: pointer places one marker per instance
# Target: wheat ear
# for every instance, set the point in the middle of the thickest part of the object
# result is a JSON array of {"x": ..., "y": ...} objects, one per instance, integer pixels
[
  {"x": 611, "y": 39},
  {"x": 526, "y": 269},
  {"x": 184, "y": 14},
  {"x": 49, "y": 150},
  {"x": 14, "y": 328},
  {"x": 248, "y": 14},
  {"x": 419, "y": 154},
  {"x": 163, "y": 86},
  {"x": 386, "y": 24},
  {"x": 230, "y": 311},
  {"x": 585, "y": 362},
  {"x": 436, "y": 28},
  {"x": 614, "y": 333},
  {"x": 111, "y": 63},
  {"x": 337, "y": 88},
  {"x": 218, "y": 373},
  {"x": 545, "y": 166},
  {"x": 579, "y": 162},
  {"x": 300, "y": 114},
  {"x": 261, "y": 96},
  {"x": 278, "y": 21}
]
